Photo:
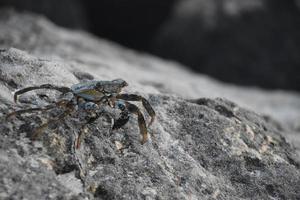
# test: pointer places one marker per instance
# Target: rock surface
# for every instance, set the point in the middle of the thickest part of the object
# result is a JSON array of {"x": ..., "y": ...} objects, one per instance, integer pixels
[{"x": 199, "y": 147}]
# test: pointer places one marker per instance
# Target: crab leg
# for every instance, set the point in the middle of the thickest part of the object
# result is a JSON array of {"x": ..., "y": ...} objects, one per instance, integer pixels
[
  {"x": 19, "y": 112},
  {"x": 44, "y": 86},
  {"x": 89, "y": 107},
  {"x": 40, "y": 129},
  {"x": 141, "y": 121},
  {"x": 81, "y": 132},
  {"x": 48, "y": 107},
  {"x": 146, "y": 104},
  {"x": 123, "y": 119}
]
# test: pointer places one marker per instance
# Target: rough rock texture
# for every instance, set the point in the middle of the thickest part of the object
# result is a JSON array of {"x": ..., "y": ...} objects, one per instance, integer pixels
[
  {"x": 199, "y": 147},
  {"x": 250, "y": 42}
]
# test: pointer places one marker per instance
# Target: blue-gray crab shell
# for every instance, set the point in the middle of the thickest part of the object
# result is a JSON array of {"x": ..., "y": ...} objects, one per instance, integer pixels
[{"x": 96, "y": 90}]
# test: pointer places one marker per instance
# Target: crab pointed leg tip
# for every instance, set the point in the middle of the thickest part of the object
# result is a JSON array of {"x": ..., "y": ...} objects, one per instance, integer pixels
[
  {"x": 77, "y": 144},
  {"x": 151, "y": 121},
  {"x": 144, "y": 140},
  {"x": 33, "y": 138},
  {"x": 8, "y": 116}
]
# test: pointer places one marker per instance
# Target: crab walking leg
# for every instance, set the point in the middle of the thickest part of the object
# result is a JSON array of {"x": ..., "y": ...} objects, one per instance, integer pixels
[
  {"x": 124, "y": 116},
  {"x": 82, "y": 129},
  {"x": 141, "y": 121},
  {"x": 40, "y": 129},
  {"x": 146, "y": 104},
  {"x": 122, "y": 120},
  {"x": 30, "y": 110},
  {"x": 44, "y": 86},
  {"x": 90, "y": 107}
]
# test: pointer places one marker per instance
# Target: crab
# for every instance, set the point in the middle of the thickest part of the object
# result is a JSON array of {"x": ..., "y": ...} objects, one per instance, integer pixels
[{"x": 89, "y": 97}]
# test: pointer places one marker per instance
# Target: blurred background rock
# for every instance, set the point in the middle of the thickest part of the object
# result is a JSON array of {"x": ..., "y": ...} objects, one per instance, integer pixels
[{"x": 247, "y": 42}]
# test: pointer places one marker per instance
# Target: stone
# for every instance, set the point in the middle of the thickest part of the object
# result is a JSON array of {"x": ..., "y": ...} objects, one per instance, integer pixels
[{"x": 199, "y": 147}]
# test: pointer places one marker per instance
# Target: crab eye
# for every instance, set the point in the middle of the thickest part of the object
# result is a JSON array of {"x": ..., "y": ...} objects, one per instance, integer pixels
[
  {"x": 121, "y": 105},
  {"x": 120, "y": 82}
]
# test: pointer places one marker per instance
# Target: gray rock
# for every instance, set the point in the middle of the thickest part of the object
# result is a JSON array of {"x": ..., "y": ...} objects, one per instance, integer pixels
[{"x": 204, "y": 148}]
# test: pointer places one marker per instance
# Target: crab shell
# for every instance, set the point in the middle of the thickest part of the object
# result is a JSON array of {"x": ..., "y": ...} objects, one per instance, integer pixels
[{"x": 96, "y": 90}]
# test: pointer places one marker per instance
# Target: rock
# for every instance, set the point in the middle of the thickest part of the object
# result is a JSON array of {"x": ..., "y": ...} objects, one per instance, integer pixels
[
  {"x": 249, "y": 42},
  {"x": 200, "y": 147}
]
